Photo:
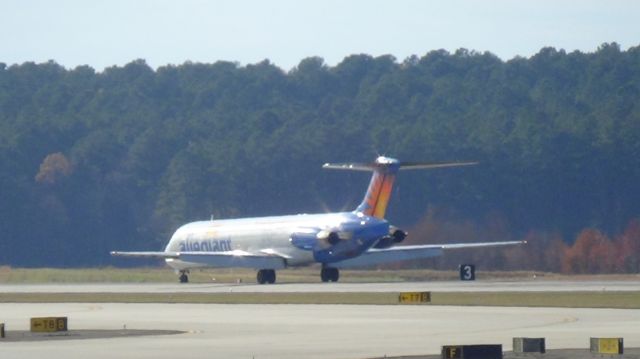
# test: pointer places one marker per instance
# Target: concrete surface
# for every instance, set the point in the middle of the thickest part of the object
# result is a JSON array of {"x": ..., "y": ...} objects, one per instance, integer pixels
[
  {"x": 444, "y": 286},
  {"x": 308, "y": 331}
]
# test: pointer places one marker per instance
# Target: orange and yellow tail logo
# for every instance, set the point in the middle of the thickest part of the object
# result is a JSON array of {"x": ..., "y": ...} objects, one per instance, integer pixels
[{"x": 378, "y": 194}]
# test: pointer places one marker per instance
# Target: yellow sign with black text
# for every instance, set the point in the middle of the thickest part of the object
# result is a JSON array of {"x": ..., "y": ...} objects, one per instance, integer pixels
[
  {"x": 414, "y": 297},
  {"x": 609, "y": 345},
  {"x": 49, "y": 324}
]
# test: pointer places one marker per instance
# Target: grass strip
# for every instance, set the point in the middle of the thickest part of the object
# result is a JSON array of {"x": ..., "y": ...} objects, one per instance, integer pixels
[
  {"x": 204, "y": 298},
  {"x": 9, "y": 275},
  {"x": 619, "y": 300}
]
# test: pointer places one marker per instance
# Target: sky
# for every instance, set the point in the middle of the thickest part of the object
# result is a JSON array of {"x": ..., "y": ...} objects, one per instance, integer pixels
[{"x": 115, "y": 32}]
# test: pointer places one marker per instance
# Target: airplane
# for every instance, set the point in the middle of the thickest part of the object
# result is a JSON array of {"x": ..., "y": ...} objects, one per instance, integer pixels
[{"x": 362, "y": 237}]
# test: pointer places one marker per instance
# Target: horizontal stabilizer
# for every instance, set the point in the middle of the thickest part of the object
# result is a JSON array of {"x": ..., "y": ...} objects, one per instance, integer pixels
[
  {"x": 400, "y": 165},
  {"x": 350, "y": 166},
  {"x": 426, "y": 165},
  {"x": 384, "y": 170}
]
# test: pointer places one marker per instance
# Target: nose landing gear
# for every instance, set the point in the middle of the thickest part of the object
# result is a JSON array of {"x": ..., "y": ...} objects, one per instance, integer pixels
[{"x": 184, "y": 277}]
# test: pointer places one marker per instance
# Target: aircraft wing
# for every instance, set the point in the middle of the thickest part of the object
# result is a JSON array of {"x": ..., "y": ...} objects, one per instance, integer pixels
[
  {"x": 146, "y": 254},
  {"x": 402, "y": 253},
  {"x": 237, "y": 258}
]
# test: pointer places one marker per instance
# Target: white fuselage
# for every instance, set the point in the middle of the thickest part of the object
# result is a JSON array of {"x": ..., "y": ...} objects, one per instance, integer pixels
[{"x": 264, "y": 235}]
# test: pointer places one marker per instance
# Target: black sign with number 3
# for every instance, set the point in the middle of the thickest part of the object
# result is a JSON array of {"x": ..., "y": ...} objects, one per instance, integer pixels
[{"x": 467, "y": 272}]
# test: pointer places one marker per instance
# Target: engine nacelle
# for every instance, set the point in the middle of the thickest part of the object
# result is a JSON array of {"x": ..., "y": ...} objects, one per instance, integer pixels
[
  {"x": 395, "y": 236},
  {"x": 348, "y": 240},
  {"x": 398, "y": 235},
  {"x": 312, "y": 240},
  {"x": 333, "y": 238}
]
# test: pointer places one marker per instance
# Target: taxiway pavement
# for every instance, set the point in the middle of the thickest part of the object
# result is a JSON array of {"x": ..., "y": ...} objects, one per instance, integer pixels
[
  {"x": 311, "y": 331},
  {"x": 308, "y": 331}
]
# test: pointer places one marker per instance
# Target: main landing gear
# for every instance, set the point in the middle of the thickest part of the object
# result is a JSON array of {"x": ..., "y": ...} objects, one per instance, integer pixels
[
  {"x": 184, "y": 277},
  {"x": 266, "y": 276},
  {"x": 328, "y": 274}
]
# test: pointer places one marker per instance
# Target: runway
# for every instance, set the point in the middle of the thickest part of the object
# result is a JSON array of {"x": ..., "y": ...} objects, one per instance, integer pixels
[
  {"x": 309, "y": 331},
  {"x": 437, "y": 286}
]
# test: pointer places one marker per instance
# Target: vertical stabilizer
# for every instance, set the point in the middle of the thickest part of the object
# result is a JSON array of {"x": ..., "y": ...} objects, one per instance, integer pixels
[
  {"x": 376, "y": 199},
  {"x": 384, "y": 174}
]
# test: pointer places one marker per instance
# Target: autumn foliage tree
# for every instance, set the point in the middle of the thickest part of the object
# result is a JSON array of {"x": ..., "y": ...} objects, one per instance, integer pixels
[
  {"x": 592, "y": 252},
  {"x": 52, "y": 168},
  {"x": 628, "y": 248},
  {"x": 542, "y": 252}
]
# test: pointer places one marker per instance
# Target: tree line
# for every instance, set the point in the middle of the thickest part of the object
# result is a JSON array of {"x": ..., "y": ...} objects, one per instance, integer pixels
[
  {"x": 591, "y": 251},
  {"x": 95, "y": 161}
]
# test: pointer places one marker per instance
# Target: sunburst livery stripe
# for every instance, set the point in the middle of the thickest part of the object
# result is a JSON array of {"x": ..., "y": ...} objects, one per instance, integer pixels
[
  {"x": 383, "y": 196},
  {"x": 372, "y": 194},
  {"x": 378, "y": 194}
]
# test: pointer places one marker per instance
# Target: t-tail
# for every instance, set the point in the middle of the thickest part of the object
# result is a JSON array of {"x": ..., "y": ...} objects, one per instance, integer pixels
[{"x": 384, "y": 173}]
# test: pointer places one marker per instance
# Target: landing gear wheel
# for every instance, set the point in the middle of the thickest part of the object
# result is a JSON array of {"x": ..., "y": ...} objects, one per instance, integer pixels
[
  {"x": 335, "y": 274},
  {"x": 184, "y": 278},
  {"x": 324, "y": 275},
  {"x": 272, "y": 276},
  {"x": 266, "y": 276},
  {"x": 329, "y": 274}
]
